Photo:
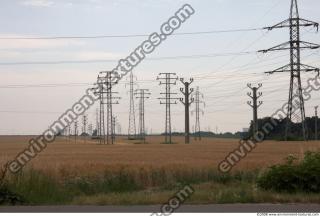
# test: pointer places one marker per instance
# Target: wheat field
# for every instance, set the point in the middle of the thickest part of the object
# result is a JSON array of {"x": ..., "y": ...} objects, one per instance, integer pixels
[{"x": 88, "y": 157}]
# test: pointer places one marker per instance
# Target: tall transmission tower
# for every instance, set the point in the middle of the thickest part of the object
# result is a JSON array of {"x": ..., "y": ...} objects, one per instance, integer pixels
[
  {"x": 75, "y": 131},
  {"x": 198, "y": 96},
  {"x": 110, "y": 100},
  {"x": 142, "y": 95},
  {"x": 168, "y": 79},
  {"x": 114, "y": 119},
  {"x": 295, "y": 67},
  {"x": 90, "y": 129},
  {"x": 132, "y": 132},
  {"x": 100, "y": 90},
  {"x": 316, "y": 122},
  {"x": 255, "y": 95},
  {"x": 97, "y": 123},
  {"x": 186, "y": 101}
]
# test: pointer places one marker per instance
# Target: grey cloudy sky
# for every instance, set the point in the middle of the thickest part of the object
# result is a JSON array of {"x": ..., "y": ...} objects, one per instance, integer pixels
[{"x": 28, "y": 106}]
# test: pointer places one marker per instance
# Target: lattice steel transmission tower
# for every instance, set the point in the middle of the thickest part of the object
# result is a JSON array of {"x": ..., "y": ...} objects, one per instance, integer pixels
[
  {"x": 132, "y": 131},
  {"x": 255, "y": 104},
  {"x": 100, "y": 90},
  {"x": 142, "y": 95},
  {"x": 110, "y": 100},
  {"x": 186, "y": 101},
  {"x": 295, "y": 66},
  {"x": 197, "y": 99},
  {"x": 84, "y": 126},
  {"x": 75, "y": 131},
  {"x": 114, "y": 119},
  {"x": 169, "y": 80}
]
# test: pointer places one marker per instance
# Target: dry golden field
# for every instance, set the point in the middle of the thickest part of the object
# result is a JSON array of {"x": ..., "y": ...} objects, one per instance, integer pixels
[{"x": 89, "y": 157}]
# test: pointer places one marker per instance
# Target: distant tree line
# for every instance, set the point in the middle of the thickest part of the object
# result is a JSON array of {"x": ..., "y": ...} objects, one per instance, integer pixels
[{"x": 294, "y": 133}]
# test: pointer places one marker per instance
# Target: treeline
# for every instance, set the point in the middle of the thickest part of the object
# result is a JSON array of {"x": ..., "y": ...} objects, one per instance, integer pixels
[{"x": 294, "y": 133}]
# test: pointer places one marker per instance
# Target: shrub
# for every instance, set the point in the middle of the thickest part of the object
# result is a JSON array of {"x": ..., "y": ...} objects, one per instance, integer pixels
[
  {"x": 7, "y": 196},
  {"x": 293, "y": 176}
]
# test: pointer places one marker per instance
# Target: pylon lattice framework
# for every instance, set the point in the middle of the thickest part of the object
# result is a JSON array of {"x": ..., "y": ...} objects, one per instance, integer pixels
[
  {"x": 295, "y": 67},
  {"x": 197, "y": 99},
  {"x": 168, "y": 79}
]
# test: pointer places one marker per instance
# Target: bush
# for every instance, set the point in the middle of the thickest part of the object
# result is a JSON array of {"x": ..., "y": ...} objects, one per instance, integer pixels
[
  {"x": 293, "y": 176},
  {"x": 7, "y": 196}
]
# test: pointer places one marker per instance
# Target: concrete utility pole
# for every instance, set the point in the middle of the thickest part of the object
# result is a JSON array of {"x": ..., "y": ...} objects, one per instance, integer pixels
[
  {"x": 198, "y": 96},
  {"x": 132, "y": 131},
  {"x": 186, "y": 101},
  {"x": 255, "y": 95},
  {"x": 295, "y": 67},
  {"x": 316, "y": 122},
  {"x": 169, "y": 80},
  {"x": 142, "y": 95}
]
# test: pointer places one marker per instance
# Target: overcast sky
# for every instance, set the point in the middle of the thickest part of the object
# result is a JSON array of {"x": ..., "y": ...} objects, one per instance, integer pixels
[{"x": 29, "y": 106}]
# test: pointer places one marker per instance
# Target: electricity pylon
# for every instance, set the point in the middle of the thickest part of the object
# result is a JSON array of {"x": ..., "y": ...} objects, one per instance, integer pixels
[
  {"x": 255, "y": 104},
  {"x": 75, "y": 131},
  {"x": 132, "y": 131},
  {"x": 169, "y": 80},
  {"x": 198, "y": 96},
  {"x": 84, "y": 124},
  {"x": 110, "y": 100},
  {"x": 186, "y": 101},
  {"x": 100, "y": 90},
  {"x": 142, "y": 95},
  {"x": 114, "y": 119},
  {"x": 295, "y": 66}
]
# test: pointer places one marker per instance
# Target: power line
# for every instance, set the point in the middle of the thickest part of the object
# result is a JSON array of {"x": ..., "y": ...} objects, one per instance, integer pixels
[
  {"x": 129, "y": 35},
  {"x": 209, "y": 55}
]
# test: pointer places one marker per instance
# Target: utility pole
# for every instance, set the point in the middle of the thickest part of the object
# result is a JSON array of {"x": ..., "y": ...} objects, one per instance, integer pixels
[
  {"x": 255, "y": 95},
  {"x": 316, "y": 123},
  {"x": 186, "y": 101},
  {"x": 198, "y": 96},
  {"x": 110, "y": 100},
  {"x": 75, "y": 131},
  {"x": 132, "y": 133},
  {"x": 84, "y": 124},
  {"x": 142, "y": 95},
  {"x": 295, "y": 67},
  {"x": 169, "y": 80}
]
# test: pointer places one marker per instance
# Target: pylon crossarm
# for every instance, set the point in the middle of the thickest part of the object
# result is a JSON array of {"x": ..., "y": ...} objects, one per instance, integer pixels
[
  {"x": 181, "y": 100},
  {"x": 280, "y": 70},
  {"x": 249, "y": 103},
  {"x": 283, "y": 24},
  {"x": 308, "y": 68},
  {"x": 283, "y": 46},
  {"x": 304, "y": 22},
  {"x": 307, "y": 45}
]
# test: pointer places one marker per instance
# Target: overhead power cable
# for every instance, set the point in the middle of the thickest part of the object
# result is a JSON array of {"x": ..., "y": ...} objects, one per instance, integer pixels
[
  {"x": 128, "y": 35},
  {"x": 210, "y": 55}
]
